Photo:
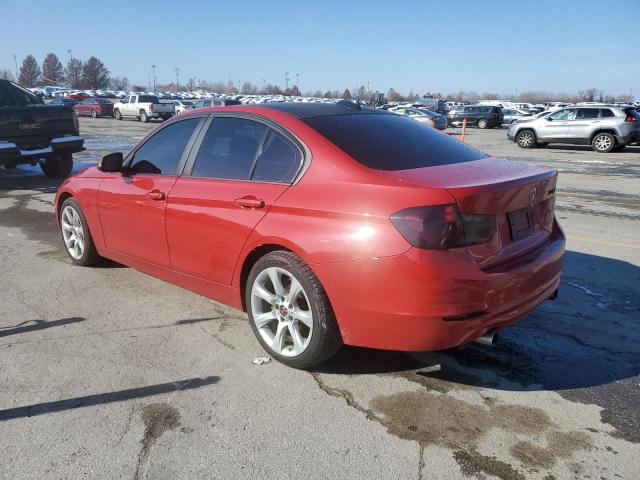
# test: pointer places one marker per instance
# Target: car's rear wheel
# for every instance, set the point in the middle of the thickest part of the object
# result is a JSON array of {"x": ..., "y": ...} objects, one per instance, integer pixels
[
  {"x": 289, "y": 311},
  {"x": 603, "y": 142},
  {"x": 482, "y": 123},
  {"x": 526, "y": 139},
  {"x": 94, "y": 114},
  {"x": 76, "y": 235},
  {"x": 57, "y": 167},
  {"x": 117, "y": 115},
  {"x": 143, "y": 116}
]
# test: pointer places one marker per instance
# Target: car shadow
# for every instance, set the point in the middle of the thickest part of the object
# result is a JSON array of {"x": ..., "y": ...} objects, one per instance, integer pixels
[{"x": 588, "y": 337}]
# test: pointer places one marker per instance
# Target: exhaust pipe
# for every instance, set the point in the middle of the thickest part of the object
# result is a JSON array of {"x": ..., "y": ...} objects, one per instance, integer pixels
[{"x": 490, "y": 338}]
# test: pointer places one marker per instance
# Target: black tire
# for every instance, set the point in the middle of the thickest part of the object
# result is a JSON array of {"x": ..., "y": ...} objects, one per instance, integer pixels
[
  {"x": 143, "y": 116},
  {"x": 117, "y": 115},
  {"x": 57, "y": 167},
  {"x": 94, "y": 114},
  {"x": 482, "y": 123},
  {"x": 325, "y": 339},
  {"x": 89, "y": 255},
  {"x": 603, "y": 142},
  {"x": 526, "y": 139}
]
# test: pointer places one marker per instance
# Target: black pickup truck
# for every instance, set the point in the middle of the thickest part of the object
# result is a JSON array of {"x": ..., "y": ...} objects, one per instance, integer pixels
[{"x": 32, "y": 132}]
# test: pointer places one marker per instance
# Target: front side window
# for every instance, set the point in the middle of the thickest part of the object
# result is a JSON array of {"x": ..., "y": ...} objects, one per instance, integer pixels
[
  {"x": 566, "y": 114},
  {"x": 162, "y": 152},
  {"x": 606, "y": 113},
  {"x": 229, "y": 149}
]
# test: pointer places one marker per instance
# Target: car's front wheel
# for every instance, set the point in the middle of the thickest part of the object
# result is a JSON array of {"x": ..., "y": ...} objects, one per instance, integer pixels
[
  {"x": 482, "y": 123},
  {"x": 289, "y": 311},
  {"x": 117, "y": 115},
  {"x": 526, "y": 139},
  {"x": 76, "y": 235},
  {"x": 57, "y": 167},
  {"x": 603, "y": 142}
]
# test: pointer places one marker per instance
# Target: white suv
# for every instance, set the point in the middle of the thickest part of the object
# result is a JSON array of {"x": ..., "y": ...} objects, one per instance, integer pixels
[{"x": 605, "y": 127}]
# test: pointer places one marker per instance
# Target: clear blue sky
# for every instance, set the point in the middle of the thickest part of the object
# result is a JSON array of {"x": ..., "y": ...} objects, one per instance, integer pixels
[{"x": 445, "y": 46}]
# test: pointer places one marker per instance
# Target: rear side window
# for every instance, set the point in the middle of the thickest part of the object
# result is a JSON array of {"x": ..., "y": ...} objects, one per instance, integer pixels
[
  {"x": 391, "y": 142},
  {"x": 162, "y": 152},
  {"x": 148, "y": 99},
  {"x": 229, "y": 149},
  {"x": 278, "y": 162},
  {"x": 606, "y": 113},
  {"x": 587, "y": 113}
]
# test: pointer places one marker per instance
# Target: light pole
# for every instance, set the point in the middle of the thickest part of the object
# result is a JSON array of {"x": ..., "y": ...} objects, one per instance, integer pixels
[
  {"x": 298, "y": 81},
  {"x": 262, "y": 85},
  {"x": 15, "y": 60},
  {"x": 177, "y": 77},
  {"x": 154, "y": 76},
  {"x": 74, "y": 75},
  {"x": 286, "y": 81}
]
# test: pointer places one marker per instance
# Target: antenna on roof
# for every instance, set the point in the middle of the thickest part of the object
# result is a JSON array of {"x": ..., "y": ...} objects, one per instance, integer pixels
[{"x": 350, "y": 104}]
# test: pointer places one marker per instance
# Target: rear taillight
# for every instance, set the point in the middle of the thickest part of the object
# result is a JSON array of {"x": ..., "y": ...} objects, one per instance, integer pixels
[
  {"x": 438, "y": 227},
  {"x": 631, "y": 118},
  {"x": 433, "y": 119},
  {"x": 151, "y": 107}
]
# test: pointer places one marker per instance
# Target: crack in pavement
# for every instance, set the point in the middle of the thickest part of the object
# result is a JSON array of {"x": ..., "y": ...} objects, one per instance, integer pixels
[{"x": 158, "y": 418}]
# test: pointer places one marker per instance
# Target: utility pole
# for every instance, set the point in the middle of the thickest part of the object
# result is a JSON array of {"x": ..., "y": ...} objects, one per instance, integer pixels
[
  {"x": 262, "y": 85},
  {"x": 298, "y": 81},
  {"x": 154, "y": 76},
  {"x": 516, "y": 99},
  {"x": 149, "y": 81},
  {"x": 177, "y": 77},
  {"x": 73, "y": 73},
  {"x": 15, "y": 60},
  {"x": 286, "y": 81}
]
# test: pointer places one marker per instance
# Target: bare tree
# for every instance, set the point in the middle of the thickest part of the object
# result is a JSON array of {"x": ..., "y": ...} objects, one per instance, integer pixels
[
  {"x": 392, "y": 95},
  {"x": 248, "y": 88},
  {"x": 591, "y": 95},
  {"x": 73, "y": 72},
  {"x": 120, "y": 83},
  {"x": 7, "y": 75},
  {"x": 294, "y": 91},
  {"x": 52, "y": 70},
  {"x": 94, "y": 74},
  {"x": 346, "y": 95},
  {"x": 29, "y": 72}
]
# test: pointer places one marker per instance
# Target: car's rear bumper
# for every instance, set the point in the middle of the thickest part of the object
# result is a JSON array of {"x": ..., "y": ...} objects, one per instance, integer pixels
[
  {"x": 12, "y": 153},
  {"x": 418, "y": 301}
]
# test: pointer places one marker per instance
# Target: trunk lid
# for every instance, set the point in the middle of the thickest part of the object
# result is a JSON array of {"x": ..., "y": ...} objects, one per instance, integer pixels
[{"x": 520, "y": 196}]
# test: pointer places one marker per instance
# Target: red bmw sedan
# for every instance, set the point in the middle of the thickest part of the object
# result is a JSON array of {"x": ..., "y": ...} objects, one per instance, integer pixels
[{"x": 327, "y": 224}]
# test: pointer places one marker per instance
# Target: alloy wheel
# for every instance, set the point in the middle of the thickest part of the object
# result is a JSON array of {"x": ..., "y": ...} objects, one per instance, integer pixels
[
  {"x": 525, "y": 139},
  {"x": 603, "y": 142},
  {"x": 72, "y": 232},
  {"x": 281, "y": 311}
]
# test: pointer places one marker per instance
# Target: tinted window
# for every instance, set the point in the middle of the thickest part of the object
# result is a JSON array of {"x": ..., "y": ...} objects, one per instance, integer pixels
[
  {"x": 148, "y": 99},
  {"x": 605, "y": 113},
  {"x": 278, "y": 162},
  {"x": 229, "y": 149},
  {"x": 391, "y": 142},
  {"x": 161, "y": 153},
  {"x": 585, "y": 113}
]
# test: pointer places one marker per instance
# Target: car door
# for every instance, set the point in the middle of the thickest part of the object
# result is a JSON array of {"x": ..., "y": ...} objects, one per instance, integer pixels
[
  {"x": 555, "y": 127},
  {"x": 132, "y": 204},
  {"x": 241, "y": 167},
  {"x": 129, "y": 107},
  {"x": 579, "y": 128}
]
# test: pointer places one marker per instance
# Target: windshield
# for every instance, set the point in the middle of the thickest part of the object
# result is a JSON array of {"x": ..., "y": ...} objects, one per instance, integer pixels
[{"x": 391, "y": 142}]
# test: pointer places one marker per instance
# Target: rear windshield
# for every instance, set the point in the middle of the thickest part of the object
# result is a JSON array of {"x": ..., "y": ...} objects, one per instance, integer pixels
[
  {"x": 148, "y": 99},
  {"x": 632, "y": 112},
  {"x": 391, "y": 142}
]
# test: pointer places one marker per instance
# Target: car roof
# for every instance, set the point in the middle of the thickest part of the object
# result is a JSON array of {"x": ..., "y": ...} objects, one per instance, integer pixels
[{"x": 308, "y": 110}]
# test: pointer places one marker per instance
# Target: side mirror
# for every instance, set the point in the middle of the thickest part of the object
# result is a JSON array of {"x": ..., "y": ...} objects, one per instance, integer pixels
[{"x": 111, "y": 162}]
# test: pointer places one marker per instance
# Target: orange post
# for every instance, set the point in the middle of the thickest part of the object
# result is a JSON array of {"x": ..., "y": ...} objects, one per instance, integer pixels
[{"x": 464, "y": 128}]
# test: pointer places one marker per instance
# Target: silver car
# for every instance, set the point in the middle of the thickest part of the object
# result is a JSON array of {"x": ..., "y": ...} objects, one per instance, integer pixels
[
  {"x": 512, "y": 115},
  {"x": 605, "y": 127}
]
